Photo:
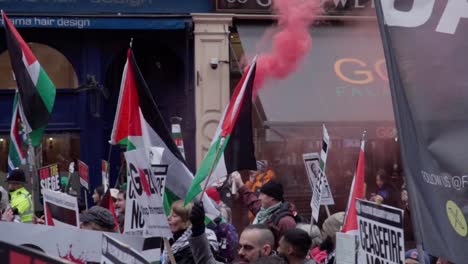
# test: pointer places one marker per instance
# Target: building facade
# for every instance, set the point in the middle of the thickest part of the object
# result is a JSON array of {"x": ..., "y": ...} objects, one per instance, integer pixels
[{"x": 191, "y": 54}]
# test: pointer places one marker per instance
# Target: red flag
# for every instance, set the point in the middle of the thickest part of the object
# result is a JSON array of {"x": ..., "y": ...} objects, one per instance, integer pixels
[
  {"x": 107, "y": 203},
  {"x": 350, "y": 225}
]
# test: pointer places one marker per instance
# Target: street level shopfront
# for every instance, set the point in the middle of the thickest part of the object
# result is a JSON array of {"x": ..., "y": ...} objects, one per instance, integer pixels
[
  {"x": 82, "y": 45},
  {"x": 342, "y": 83}
]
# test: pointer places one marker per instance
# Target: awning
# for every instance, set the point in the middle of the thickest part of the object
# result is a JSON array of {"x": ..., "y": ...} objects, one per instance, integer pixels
[
  {"x": 96, "y": 22},
  {"x": 343, "y": 79}
]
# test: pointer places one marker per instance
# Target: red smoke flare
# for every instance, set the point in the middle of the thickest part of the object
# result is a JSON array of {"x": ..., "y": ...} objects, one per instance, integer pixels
[{"x": 291, "y": 43}]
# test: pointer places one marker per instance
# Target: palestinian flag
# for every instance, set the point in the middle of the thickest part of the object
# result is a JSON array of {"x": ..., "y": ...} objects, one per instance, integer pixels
[
  {"x": 36, "y": 90},
  {"x": 139, "y": 124},
  {"x": 350, "y": 225},
  {"x": 17, "y": 150},
  {"x": 232, "y": 147},
  {"x": 107, "y": 203},
  {"x": 177, "y": 136}
]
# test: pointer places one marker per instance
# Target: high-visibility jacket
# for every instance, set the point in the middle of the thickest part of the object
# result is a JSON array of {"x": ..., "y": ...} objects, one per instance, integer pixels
[{"x": 21, "y": 200}]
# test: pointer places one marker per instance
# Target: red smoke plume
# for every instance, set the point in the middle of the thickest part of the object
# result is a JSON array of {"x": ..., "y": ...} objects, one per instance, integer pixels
[{"x": 291, "y": 43}]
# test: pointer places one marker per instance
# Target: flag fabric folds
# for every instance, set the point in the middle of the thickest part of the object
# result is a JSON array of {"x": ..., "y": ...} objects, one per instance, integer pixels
[
  {"x": 350, "y": 225},
  {"x": 232, "y": 147},
  {"x": 138, "y": 123},
  {"x": 17, "y": 149},
  {"x": 36, "y": 90},
  {"x": 425, "y": 44},
  {"x": 106, "y": 202}
]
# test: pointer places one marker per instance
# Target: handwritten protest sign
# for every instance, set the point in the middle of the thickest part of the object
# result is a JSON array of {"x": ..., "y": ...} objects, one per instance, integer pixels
[{"x": 144, "y": 212}]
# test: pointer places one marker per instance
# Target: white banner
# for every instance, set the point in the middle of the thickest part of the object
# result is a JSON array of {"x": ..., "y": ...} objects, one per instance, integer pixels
[
  {"x": 381, "y": 238},
  {"x": 144, "y": 211},
  {"x": 60, "y": 209},
  {"x": 75, "y": 245},
  {"x": 346, "y": 248},
  {"x": 116, "y": 252}
]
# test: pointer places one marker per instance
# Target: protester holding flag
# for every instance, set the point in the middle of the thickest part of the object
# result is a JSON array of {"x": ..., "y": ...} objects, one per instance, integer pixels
[
  {"x": 269, "y": 208},
  {"x": 180, "y": 225},
  {"x": 20, "y": 201},
  {"x": 256, "y": 241},
  {"x": 232, "y": 148},
  {"x": 138, "y": 124}
]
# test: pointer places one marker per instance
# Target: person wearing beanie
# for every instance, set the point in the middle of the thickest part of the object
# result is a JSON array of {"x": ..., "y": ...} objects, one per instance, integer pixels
[
  {"x": 269, "y": 207},
  {"x": 20, "y": 198}
]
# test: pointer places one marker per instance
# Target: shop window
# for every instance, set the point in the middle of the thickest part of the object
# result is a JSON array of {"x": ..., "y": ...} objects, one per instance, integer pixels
[
  {"x": 288, "y": 114},
  {"x": 57, "y": 66},
  {"x": 55, "y": 148}
]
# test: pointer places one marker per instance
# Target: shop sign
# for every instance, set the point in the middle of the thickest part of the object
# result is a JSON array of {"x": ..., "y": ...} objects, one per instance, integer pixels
[{"x": 331, "y": 7}]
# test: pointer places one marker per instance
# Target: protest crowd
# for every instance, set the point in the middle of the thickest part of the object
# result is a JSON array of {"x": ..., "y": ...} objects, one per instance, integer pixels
[{"x": 277, "y": 233}]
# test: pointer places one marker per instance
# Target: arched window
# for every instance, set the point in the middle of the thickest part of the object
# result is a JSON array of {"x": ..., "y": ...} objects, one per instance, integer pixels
[{"x": 57, "y": 66}]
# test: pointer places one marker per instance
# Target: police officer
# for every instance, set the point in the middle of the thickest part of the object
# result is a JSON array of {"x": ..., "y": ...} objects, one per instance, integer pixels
[{"x": 20, "y": 199}]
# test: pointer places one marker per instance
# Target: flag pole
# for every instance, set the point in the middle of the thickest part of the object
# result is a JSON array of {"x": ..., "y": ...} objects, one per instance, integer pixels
[
  {"x": 108, "y": 166},
  {"x": 220, "y": 146},
  {"x": 33, "y": 172}
]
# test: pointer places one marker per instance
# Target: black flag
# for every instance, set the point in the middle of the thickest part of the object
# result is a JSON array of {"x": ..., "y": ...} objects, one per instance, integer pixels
[{"x": 426, "y": 44}]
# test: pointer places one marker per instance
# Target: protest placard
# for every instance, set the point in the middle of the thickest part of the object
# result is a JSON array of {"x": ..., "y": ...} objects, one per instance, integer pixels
[
  {"x": 312, "y": 165},
  {"x": 144, "y": 212},
  {"x": 83, "y": 171},
  {"x": 60, "y": 209},
  {"x": 105, "y": 173},
  {"x": 116, "y": 252},
  {"x": 381, "y": 238},
  {"x": 49, "y": 177},
  {"x": 73, "y": 244},
  {"x": 13, "y": 254}
]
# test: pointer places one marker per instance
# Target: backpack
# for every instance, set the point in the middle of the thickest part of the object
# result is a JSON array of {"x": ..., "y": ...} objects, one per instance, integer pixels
[
  {"x": 228, "y": 241},
  {"x": 287, "y": 209}
]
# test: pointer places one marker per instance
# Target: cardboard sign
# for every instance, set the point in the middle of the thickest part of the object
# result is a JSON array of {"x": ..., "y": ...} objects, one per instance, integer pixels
[
  {"x": 12, "y": 254},
  {"x": 312, "y": 165},
  {"x": 60, "y": 209},
  {"x": 75, "y": 245},
  {"x": 144, "y": 212},
  {"x": 83, "y": 171},
  {"x": 381, "y": 238},
  {"x": 116, "y": 252},
  {"x": 49, "y": 178},
  {"x": 346, "y": 248},
  {"x": 105, "y": 173}
]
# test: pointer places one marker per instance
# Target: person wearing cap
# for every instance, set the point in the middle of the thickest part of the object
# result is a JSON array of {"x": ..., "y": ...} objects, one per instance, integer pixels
[
  {"x": 269, "y": 207},
  {"x": 20, "y": 199},
  {"x": 97, "y": 218}
]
